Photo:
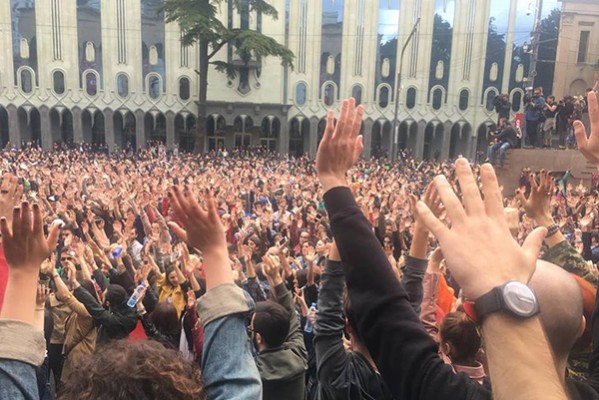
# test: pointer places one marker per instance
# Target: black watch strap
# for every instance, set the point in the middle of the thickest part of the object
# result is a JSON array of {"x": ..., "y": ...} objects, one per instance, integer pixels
[{"x": 489, "y": 303}]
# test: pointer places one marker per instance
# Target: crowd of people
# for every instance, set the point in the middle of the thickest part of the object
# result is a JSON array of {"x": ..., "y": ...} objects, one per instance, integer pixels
[
  {"x": 252, "y": 275},
  {"x": 545, "y": 119}
]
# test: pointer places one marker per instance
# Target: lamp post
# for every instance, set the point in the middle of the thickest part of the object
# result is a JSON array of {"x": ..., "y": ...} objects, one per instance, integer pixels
[
  {"x": 534, "y": 56},
  {"x": 398, "y": 91}
]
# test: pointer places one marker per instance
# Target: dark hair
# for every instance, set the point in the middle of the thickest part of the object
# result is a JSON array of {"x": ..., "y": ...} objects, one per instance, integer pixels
[
  {"x": 166, "y": 319},
  {"x": 89, "y": 286},
  {"x": 460, "y": 332},
  {"x": 134, "y": 370},
  {"x": 272, "y": 322}
]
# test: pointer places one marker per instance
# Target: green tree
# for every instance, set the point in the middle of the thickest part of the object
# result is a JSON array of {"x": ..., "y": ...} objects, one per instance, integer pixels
[
  {"x": 549, "y": 29},
  {"x": 200, "y": 23}
]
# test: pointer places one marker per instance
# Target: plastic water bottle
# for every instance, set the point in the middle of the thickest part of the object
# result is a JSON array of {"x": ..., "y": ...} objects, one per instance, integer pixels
[
  {"x": 309, "y": 328},
  {"x": 134, "y": 299}
]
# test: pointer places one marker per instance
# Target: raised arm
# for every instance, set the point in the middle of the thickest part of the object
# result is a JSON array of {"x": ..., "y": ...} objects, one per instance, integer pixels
[
  {"x": 538, "y": 207},
  {"x": 295, "y": 337},
  {"x": 328, "y": 331},
  {"x": 228, "y": 369},
  {"x": 22, "y": 346}
]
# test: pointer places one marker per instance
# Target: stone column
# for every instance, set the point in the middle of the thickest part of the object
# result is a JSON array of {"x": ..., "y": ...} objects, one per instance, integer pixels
[
  {"x": 313, "y": 137},
  {"x": 140, "y": 129},
  {"x": 419, "y": 148},
  {"x": 109, "y": 129},
  {"x": 446, "y": 140},
  {"x": 283, "y": 139},
  {"x": 77, "y": 126},
  {"x": 14, "y": 127},
  {"x": 170, "y": 130},
  {"x": 367, "y": 138},
  {"x": 46, "y": 128}
]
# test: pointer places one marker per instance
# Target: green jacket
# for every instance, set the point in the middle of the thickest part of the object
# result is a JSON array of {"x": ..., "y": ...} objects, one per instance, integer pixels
[
  {"x": 567, "y": 257},
  {"x": 283, "y": 369}
]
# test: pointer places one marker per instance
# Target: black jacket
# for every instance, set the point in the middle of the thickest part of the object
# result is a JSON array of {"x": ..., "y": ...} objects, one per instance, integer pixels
[
  {"x": 405, "y": 354},
  {"x": 113, "y": 324},
  {"x": 341, "y": 374},
  {"x": 508, "y": 135}
]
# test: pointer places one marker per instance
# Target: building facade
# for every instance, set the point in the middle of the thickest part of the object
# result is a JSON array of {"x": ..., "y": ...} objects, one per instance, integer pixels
[
  {"x": 112, "y": 71},
  {"x": 577, "y": 60}
]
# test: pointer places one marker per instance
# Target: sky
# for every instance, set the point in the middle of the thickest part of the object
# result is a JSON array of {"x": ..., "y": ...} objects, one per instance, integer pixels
[{"x": 389, "y": 14}]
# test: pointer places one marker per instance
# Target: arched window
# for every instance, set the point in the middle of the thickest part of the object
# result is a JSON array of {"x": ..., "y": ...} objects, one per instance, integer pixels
[
  {"x": 91, "y": 83},
  {"x": 464, "y": 98},
  {"x": 300, "y": 94},
  {"x": 58, "y": 82},
  {"x": 516, "y": 101},
  {"x": 356, "y": 93},
  {"x": 184, "y": 88},
  {"x": 329, "y": 94},
  {"x": 154, "y": 86},
  {"x": 122, "y": 85},
  {"x": 383, "y": 97},
  {"x": 411, "y": 98},
  {"x": 26, "y": 81},
  {"x": 437, "y": 98},
  {"x": 490, "y": 97}
]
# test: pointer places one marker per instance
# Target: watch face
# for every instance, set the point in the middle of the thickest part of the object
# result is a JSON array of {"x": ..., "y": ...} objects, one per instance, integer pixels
[{"x": 520, "y": 299}]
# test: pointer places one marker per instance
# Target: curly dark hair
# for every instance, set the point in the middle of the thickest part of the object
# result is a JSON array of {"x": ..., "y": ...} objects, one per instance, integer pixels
[{"x": 124, "y": 370}]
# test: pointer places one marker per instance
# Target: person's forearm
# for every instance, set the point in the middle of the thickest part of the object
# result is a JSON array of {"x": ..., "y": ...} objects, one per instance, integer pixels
[
  {"x": 552, "y": 240},
  {"x": 19, "y": 297},
  {"x": 218, "y": 272},
  {"x": 310, "y": 278},
  {"x": 251, "y": 271},
  {"x": 521, "y": 365},
  {"x": 195, "y": 285},
  {"x": 419, "y": 242}
]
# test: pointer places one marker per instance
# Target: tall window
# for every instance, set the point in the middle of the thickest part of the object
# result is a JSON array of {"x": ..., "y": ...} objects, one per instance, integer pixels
[
  {"x": 24, "y": 44},
  {"x": 329, "y": 94},
  {"x": 356, "y": 93},
  {"x": 89, "y": 36},
  {"x": 154, "y": 86},
  {"x": 383, "y": 97},
  {"x": 122, "y": 85},
  {"x": 184, "y": 88},
  {"x": 331, "y": 41},
  {"x": 464, "y": 97},
  {"x": 152, "y": 37},
  {"x": 411, "y": 98},
  {"x": 91, "y": 83},
  {"x": 300, "y": 94},
  {"x": 388, "y": 32},
  {"x": 441, "y": 46},
  {"x": 58, "y": 82},
  {"x": 583, "y": 46},
  {"x": 26, "y": 81},
  {"x": 437, "y": 98}
]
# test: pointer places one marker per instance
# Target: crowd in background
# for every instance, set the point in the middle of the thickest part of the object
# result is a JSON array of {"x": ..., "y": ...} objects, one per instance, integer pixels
[{"x": 249, "y": 274}]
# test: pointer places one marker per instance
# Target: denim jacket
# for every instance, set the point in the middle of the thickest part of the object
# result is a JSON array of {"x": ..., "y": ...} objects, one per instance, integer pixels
[
  {"x": 22, "y": 349},
  {"x": 228, "y": 368}
]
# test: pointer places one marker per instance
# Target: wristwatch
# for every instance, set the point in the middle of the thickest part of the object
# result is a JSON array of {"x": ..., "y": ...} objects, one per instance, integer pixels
[{"x": 513, "y": 298}]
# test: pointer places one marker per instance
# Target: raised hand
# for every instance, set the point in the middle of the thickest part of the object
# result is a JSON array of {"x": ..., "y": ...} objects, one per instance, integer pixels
[
  {"x": 25, "y": 245},
  {"x": 201, "y": 227},
  {"x": 341, "y": 145},
  {"x": 10, "y": 194},
  {"x": 588, "y": 142},
  {"x": 431, "y": 199},
  {"x": 538, "y": 203},
  {"x": 271, "y": 266},
  {"x": 202, "y": 230},
  {"x": 42, "y": 295},
  {"x": 478, "y": 248}
]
